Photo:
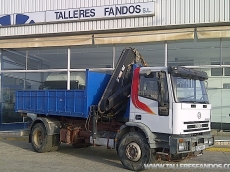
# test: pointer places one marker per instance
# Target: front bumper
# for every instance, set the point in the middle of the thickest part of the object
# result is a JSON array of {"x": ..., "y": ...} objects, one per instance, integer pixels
[{"x": 185, "y": 144}]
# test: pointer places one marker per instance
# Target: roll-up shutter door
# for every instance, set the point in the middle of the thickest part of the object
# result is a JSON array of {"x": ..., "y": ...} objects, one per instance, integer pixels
[
  {"x": 47, "y": 41},
  {"x": 213, "y": 32},
  {"x": 109, "y": 38},
  {"x": 144, "y": 36}
]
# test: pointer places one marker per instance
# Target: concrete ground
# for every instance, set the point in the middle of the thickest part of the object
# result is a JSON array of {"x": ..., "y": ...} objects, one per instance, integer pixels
[{"x": 17, "y": 155}]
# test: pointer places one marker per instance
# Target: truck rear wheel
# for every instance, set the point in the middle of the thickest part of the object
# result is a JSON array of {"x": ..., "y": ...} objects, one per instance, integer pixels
[
  {"x": 134, "y": 151},
  {"x": 40, "y": 141}
]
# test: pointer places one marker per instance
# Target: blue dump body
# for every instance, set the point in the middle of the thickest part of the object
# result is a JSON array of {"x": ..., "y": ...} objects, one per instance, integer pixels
[{"x": 72, "y": 103}]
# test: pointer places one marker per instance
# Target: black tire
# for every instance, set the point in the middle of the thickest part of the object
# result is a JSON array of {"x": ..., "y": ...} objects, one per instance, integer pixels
[
  {"x": 54, "y": 148},
  {"x": 134, "y": 151},
  {"x": 40, "y": 141},
  {"x": 56, "y": 142}
]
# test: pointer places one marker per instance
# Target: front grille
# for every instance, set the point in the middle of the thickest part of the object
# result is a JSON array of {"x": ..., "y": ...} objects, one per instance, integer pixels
[
  {"x": 197, "y": 126},
  {"x": 200, "y": 129},
  {"x": 194, "y": 122}
]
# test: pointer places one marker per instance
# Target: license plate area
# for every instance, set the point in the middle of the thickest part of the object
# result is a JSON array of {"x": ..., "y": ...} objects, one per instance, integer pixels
[{"x": 200, "y": 147}]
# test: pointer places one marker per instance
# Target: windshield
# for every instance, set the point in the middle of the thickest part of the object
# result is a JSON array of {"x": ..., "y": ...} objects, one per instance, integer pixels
[{"x": 189, "y": 90}]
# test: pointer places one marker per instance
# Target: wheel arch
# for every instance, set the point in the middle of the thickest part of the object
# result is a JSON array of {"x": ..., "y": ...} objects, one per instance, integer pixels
[
  {"x": 52, "y": 126},
  {"x": 139, "y": 127}
]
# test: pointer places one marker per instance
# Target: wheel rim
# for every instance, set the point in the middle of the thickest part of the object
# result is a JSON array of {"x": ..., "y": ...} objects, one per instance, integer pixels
[
  {"x": 133, "y": 151},
  {"x": 38, "y": 137}
]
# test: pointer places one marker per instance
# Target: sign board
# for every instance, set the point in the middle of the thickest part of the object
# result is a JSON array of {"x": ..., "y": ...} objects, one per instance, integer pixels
[{"x": 89, "y": 13}]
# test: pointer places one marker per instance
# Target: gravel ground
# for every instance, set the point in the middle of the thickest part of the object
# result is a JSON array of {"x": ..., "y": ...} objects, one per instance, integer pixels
[{"x": 18, "y": 156}]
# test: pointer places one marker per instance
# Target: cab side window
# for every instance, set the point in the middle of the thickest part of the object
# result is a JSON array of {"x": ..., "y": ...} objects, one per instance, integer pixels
[
  {"x": 154, "y": 86},
  {"x": 148, "y": 87}
]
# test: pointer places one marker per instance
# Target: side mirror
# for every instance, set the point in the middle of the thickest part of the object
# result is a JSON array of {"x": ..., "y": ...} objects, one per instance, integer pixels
[{"x": 206, "y": 84}]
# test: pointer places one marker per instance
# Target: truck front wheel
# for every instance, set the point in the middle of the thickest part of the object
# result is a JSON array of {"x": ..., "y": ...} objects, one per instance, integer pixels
[
  {"x": 40, "y": 141},
  {"x": 134, "y": 151}
]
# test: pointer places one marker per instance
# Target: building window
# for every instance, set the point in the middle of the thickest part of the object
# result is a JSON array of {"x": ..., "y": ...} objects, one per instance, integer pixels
[
  {"x": 216, "y": 71},
  {"x": 227, "y": 69},
  {"x": 220, "y": 71}
]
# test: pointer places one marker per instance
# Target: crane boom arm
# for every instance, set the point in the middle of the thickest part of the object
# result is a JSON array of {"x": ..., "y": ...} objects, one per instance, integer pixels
[{"x": 117, "y": 91}]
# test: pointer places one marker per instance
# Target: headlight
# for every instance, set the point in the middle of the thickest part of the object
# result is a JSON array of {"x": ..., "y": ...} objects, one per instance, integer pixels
[
  {"x": 210, "y": 141},
  {"x": 206, "y": 141},
  {"x": 183, "y": 146}
]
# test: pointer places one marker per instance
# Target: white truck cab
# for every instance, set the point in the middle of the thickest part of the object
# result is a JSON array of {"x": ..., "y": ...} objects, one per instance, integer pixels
[{"x": 172, "y": 103}]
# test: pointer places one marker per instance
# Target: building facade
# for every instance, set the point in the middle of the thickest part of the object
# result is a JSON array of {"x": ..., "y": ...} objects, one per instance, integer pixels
[{"x": 41, "y": 41}]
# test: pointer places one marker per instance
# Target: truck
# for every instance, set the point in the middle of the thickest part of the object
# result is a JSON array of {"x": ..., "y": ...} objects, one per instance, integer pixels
[{"x": 144, "y": 113}]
